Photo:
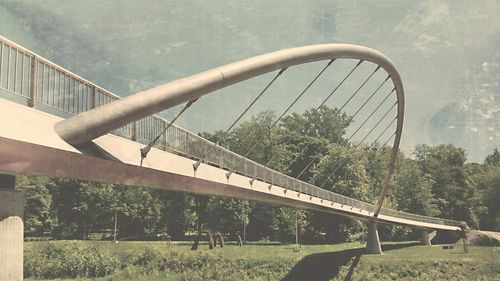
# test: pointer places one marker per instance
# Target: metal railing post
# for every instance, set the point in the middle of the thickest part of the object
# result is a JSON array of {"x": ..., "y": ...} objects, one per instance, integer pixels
[
  {"x": 134, "y": 131},
  {"x": 33, "y": 81},
  {"x": 92, "y": 97},
  {"x": 163, "y": 140}
]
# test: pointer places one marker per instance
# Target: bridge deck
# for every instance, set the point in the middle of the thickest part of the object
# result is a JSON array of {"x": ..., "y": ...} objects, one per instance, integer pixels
[{"x": 29, "y": 145}]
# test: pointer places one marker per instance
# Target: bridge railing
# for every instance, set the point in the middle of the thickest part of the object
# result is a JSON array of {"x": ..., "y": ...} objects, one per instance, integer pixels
[{"x": 38, "y": 82}]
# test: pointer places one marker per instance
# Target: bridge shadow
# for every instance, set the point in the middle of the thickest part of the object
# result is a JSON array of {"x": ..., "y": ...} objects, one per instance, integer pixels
[{"x": 325, "y": 266}]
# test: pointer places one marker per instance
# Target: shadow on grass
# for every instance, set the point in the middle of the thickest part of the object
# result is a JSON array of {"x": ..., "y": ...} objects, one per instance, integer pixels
[{"x": 325, "y": 266}]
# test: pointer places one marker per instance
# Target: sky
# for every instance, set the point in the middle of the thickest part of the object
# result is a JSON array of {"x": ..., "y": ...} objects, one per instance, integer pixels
[{"x": 447, "y": 52}]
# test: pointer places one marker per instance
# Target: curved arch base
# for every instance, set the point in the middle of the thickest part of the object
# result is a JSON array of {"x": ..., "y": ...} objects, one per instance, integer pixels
[
  {"x": 372, "y": 240},
  {"x": 424, "y": 238}
]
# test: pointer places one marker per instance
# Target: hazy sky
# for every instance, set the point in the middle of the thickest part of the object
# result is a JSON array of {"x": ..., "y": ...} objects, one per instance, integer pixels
[{"x": 448, "y": 53}]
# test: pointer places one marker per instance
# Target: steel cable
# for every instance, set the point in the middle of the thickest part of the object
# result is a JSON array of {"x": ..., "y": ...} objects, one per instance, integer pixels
[{"x": 223, "y": 136}]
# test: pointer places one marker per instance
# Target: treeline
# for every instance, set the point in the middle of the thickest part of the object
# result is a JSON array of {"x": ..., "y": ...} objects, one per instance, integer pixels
[{"x": 434, "y": 181}]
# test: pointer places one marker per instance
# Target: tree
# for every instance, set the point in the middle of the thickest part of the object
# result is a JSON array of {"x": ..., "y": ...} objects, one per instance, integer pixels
[
  {"x": 412, "y": 190},
  {"x": 325, "y": 123},
  {"x": 489, "y": 184},
  {"x": 139, "y": 212},
  {"x": 38, "y": 214},
  {"x": 342, "y": 170},
  {"x": 228, "y": 215},
  {"x": 82, "y": 206},
  {"x": 456, "y": 195},
  {"x": 493, "y": 159},
  {"x": 176, "y": 213},
  {"x": 306, "y": 137}
]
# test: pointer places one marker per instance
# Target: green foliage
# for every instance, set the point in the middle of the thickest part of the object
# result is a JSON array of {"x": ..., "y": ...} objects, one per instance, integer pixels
[
  {"x": 488, "y": 183},
  {"x": 52, "y": 260},
  {"x": 138, "y": 211},
  {"x": 412, "y": 190},
  {"x": 493, "y": 159},
  {"x": 39, "y": 216},
  {"x": 228, "y": 215},
  {"x": 151, "y": 261},
  {"x": 457, "y": 197},
  {"x": 176, "y": 216}
]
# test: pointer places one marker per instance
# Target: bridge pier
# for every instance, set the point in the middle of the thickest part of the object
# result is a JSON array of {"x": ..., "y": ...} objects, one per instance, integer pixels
[
  {"x": 424, "y": 238},
  {"x": 11, "y": 230},
  {"x": 372, "y": 240}
]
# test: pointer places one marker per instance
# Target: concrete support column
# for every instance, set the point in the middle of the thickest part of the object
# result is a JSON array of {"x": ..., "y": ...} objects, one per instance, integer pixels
[
  {"x": 11, "y": 230},
  {"x": 372, "y": 240},
  {"x": 424, "y": 238}
]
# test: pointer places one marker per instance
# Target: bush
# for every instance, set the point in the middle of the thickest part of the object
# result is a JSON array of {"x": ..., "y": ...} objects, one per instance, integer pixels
[{"x": 53, "y": 260}]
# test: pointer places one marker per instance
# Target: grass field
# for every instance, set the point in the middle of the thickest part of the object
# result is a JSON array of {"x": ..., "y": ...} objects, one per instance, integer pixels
[{"x": 141, "y": 261}]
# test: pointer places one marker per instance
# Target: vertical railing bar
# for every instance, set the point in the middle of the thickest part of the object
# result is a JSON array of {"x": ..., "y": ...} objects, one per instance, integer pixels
[
  {"x": 8, "y": 67},
  {"x": 54, "y": 87},
  {"x": 81, "y": 96},
  {"x": 1, "y": 61},
  {"x": 86, "y": 95},
  {"x": 33, "y": 81},
  {"x": 50, "y": 87},
  {"x": 57, "y": 89},
  {"x": 75, "y": 97},
  {"x": 22, "y": 75},
  {"x": 16, "y": 61},
  {"x": 64, "y": 93},
  {"x": 60, "y": 89},
  {"x": 42, "y": 77},
  {"x": 71, "y": 101},
  {"x": 92, "y": 98},
  {"x": 43, "y": 82},
  {"x": 49, "y": 94}
]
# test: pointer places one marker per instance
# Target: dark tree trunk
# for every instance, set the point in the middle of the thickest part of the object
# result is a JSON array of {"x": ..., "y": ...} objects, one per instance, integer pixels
[
  {"x": 195, "y": 245},
  {"x": 210, "y": 239},
  {"x": 221, "y": 239}
]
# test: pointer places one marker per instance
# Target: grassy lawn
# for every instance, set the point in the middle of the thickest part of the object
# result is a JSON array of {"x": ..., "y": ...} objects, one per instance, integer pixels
[
  {"x": 426, "y": 263},
  {"x": 141, "y": 261}
]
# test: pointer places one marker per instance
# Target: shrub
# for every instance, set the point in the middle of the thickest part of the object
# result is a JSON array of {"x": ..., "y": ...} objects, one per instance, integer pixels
[{"x": 53, "y": 260}]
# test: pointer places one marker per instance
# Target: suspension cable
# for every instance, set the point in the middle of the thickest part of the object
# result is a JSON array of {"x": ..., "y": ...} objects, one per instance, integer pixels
[
  {"x": 330, "y": 95},
  {"x": 373, "y": 112},
  {"x": 316, "y": 156},
  {"x": 373, "y": 143},
  {"x": 380, "y": 121},
  {"x": 231, "y": 171},
  {"x": 387, "y": 141},
  {"x": 322, "y": 103},
  {"x": 340, "y": 84},
  {"x": 367, "y": 100},
  {"x": 145, "y": 150},
  {"x": 364, "y": 122},
  {"x": 357, "y": 91},
  {"x": 223, "y": 136}
]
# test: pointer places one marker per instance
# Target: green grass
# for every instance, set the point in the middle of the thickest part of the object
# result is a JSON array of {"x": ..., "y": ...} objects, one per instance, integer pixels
[
  {"x": 426, "y": 263},
  {"x": 315, "y": 262}
]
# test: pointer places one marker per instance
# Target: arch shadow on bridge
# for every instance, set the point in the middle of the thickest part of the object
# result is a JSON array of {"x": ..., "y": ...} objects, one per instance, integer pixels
[{"x": 325, "y": 266}]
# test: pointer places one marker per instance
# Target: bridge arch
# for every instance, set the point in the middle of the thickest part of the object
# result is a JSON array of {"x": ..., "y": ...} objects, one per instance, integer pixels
[{"x": 99, "y": 121}]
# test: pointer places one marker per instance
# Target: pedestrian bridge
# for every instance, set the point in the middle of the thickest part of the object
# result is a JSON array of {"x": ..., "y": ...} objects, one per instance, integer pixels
[{"x": 57, "y": 124}]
